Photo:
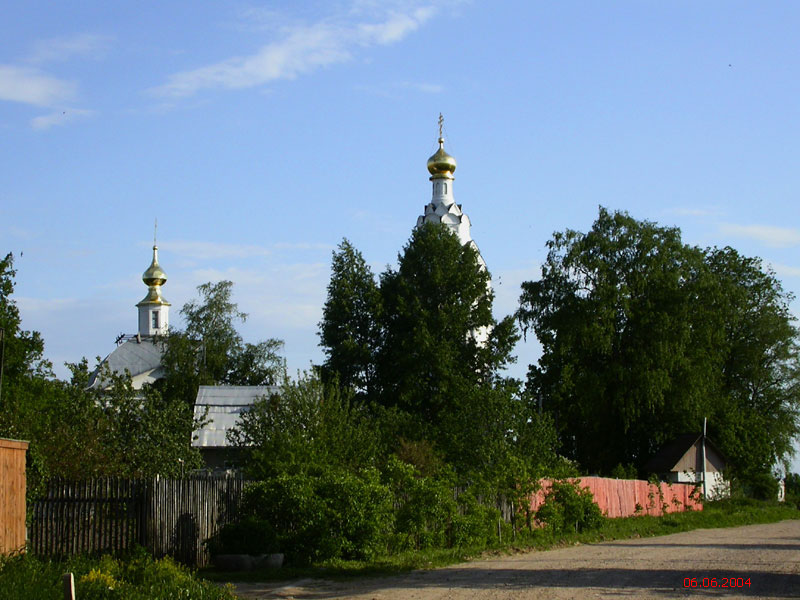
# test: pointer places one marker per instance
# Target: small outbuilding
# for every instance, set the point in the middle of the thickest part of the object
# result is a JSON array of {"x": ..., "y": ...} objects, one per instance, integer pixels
[
  {"x": 225, "y": 405},
  {"x": 681, "y": 461}
]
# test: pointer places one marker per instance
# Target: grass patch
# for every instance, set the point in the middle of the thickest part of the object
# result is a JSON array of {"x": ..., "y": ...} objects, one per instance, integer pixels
[{"x": 723, "y": 513}]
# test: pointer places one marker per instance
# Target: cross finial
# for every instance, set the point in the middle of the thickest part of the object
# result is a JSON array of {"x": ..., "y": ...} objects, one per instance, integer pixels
[
  {"x": 155, "y": 233},
  {"x": 441, "y": 124}
]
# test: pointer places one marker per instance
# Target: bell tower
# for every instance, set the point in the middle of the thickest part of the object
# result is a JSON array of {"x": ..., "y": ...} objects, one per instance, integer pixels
[{"x": 153, "y": 309}]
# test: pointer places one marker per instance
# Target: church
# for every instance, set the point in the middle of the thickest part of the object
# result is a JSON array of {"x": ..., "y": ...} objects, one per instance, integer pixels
[
  {"x": 139, "y": 354},
  {"x": 443, "y": 208}
]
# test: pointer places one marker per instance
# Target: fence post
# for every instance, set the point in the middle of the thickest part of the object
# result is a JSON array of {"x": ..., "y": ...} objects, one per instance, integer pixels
[{"x": 69, "y": 586}]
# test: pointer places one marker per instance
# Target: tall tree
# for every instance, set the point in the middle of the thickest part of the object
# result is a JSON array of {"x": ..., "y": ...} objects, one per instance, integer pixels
[
  {"x": 639, "y": 341},
  {"x": 22, "y": 351},
  {"x": 350, "y": 328},
  {"x": 211, "y": 351},
  {"x": 439, "y": 336},
  {"x": 760, "y": 375}
]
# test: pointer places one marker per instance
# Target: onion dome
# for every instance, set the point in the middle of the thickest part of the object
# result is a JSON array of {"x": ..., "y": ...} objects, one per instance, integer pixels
[
  {"x": 154, "y": 275},
  {"x": 441, "y": 165}
]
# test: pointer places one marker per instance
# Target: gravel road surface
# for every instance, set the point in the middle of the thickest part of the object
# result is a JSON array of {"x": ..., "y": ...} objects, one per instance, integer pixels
[{"x": 765, "y": 556}]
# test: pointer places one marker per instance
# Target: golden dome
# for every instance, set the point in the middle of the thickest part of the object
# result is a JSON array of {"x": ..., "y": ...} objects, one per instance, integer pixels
[
  {"x": 154, "y": 275},
  {"x": 441, "y": 165}
]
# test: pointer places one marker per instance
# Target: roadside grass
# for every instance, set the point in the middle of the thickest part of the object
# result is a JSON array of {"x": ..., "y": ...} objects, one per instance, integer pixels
[{"x": 723, "y": 513}]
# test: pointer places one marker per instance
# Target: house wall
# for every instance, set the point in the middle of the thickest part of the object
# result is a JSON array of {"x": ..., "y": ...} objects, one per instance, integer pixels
[
  {"x": 620, "y": 497},
  {"x": 716, "y": 485},
  {"x": 12, "y": 495},
  {"x": 693, "y": 458}
]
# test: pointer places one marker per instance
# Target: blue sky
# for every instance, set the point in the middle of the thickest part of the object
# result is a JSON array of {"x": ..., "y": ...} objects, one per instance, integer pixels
[{"x": 261, "y": 134}]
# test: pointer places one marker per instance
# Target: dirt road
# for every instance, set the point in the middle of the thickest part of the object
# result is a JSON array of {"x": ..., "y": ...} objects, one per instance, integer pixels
[{"x": 766, "y": 556}]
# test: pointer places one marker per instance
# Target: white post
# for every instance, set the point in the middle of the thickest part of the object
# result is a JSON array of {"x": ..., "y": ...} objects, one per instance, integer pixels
[
  {"x": 69, "y": 586},
  {"x": 705, "y": 488}
]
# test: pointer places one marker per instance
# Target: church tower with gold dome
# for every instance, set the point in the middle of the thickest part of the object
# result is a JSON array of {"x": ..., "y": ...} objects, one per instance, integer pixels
[
  {"x": 139, "y": 355},
  {"x": 443, "y": 208},
  {"x": 153, "y": 309}
]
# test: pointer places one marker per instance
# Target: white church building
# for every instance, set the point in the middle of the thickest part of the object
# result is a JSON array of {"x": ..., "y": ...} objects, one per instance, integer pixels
[{"x": 139, "y": 354}]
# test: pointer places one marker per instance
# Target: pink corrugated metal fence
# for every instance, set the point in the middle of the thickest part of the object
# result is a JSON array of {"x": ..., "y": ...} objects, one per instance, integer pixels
[{"x": 620, "y": 497}]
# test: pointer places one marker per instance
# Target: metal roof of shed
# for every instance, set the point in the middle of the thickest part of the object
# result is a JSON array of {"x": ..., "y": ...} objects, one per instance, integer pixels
[{"x": 225, "y": 403}]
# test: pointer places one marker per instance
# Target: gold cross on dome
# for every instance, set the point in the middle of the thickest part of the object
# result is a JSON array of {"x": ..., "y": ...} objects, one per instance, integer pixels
[{"x": 441, "y": 124}]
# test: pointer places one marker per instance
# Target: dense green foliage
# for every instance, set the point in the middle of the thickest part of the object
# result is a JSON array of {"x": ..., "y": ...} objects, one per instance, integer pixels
[
  {"x": 726, "y": 513},
  {"x": 423, "y": 353},
  {"x": 349, "y": 331},
  {"x": 569, "y": 507},
  {"x": 210, "y": 351},
  {"x": 331, "y": 489},
  {"x": 644, "y": 336},
  {"x": 137, "y": 577},
  {"x": 308, "y": 426},
  {"x": 333, "y": 514}
]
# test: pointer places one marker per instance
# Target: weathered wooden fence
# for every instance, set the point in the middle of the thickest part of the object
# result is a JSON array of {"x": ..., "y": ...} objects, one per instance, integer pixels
[
  {"x": 169, "y": 517},
  {"x": 12, "y": 495}
]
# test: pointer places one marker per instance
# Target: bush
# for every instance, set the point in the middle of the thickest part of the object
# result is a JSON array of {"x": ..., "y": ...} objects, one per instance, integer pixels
[
  {"x": 475, "y": 525},
  {"x": 248, "y": 536},
  {"x": 569, "y": 508},
  {"x": 424, "y": 507},
  {"x": 333, "y": 515},
  {"x": 428, "y": 515}
]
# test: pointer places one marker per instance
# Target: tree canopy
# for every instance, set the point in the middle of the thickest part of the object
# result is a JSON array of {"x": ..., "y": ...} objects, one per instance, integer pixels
[
  {"x": 210, "y": 350},
  {"x": 643, "y": 336},
  {"x": 350, "y": 330},
  {"x": 425, "y": 354}
]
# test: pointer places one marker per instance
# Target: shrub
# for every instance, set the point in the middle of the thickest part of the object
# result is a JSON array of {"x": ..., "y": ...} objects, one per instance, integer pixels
[
  {"x": 428, "y": 514},
  {"x": 475, "y": 524},
  {"x": 424, "y": 507},
  {"x": 248, "y": 536},
  {"x": 568, "y": 507},
  {"x": 332, "y": 515}
]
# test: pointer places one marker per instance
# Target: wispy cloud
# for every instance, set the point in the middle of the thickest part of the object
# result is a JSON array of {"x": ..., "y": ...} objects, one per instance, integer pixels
[
  {"x": 696, "y": 211},
  {"x": 302, "y": 49},
  {"x": 61, "y": 117},
  {"x": 29, "y": 83},
  {"x": 786, "y": 270},
  {"x": 85, "y": 45},
  {"x": 778, "y": 237},
  {"x": 32, "y": 86}
]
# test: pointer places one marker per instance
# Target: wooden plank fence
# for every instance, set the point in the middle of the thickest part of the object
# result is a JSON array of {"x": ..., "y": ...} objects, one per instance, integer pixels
[
  {"x": 12, "y": 495},
  {"x": 168, "y": 517}
]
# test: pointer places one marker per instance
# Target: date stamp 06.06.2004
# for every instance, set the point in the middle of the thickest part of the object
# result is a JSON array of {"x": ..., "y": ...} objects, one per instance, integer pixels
[{"x": 716, "y": 582}]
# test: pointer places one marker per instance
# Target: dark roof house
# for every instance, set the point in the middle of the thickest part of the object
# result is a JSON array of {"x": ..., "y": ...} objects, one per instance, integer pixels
[{"x": 681, "y": 461}]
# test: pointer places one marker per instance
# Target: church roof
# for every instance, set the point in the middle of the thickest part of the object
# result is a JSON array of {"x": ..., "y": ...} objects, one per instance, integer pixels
[
  {"x": 138, "y": 355},
  {"x": 225, "y": 404}
]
